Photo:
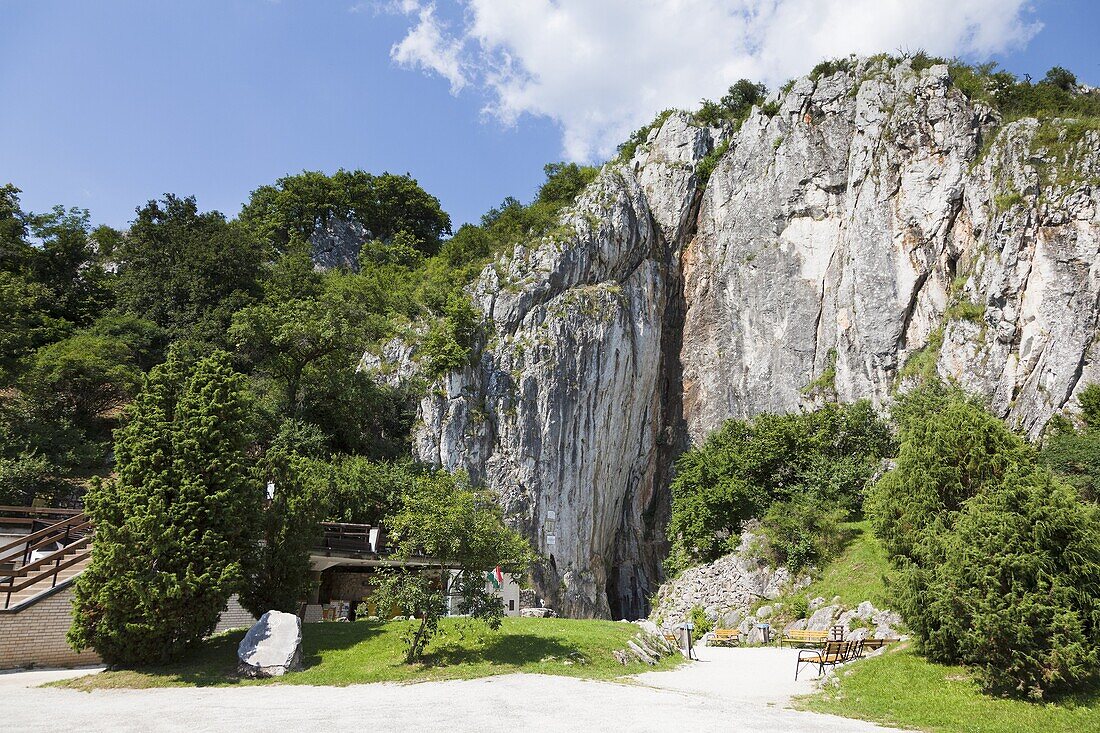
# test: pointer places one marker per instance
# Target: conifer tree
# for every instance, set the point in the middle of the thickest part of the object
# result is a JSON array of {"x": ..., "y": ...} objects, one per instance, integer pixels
[
  {"x": 173, "y": 529},
  {"x": 279, "y": 575}
]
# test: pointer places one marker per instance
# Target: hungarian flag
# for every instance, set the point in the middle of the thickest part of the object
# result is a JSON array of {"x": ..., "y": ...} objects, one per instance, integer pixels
[{"x": 496, "y": 577}]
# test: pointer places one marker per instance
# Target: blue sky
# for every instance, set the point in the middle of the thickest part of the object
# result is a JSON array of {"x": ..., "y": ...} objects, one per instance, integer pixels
[{"x": 108, "y": 104}]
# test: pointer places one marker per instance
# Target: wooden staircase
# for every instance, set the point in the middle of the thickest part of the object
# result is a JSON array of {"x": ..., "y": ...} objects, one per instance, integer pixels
[{"x": 47, "y": 557}]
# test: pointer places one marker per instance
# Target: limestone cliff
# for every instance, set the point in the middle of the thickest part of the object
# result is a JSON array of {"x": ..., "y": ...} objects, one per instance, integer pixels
[{"x": 870, "y": 230}]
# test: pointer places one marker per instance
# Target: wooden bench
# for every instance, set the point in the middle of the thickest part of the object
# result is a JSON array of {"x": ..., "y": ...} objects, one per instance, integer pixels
[
  {"x": 872, "y": 644},
  {"x": 801, "y": 637},
  {"x": 830, "y": 655},
  {"x": 723, "y": 636}
]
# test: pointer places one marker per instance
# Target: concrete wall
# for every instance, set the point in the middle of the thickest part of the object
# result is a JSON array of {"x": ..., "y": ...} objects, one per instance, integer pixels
[{"x": 35, "y": 636}]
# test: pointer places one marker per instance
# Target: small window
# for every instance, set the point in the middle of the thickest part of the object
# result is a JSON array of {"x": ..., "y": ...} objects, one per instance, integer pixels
[{"x": 511, "y": 605}]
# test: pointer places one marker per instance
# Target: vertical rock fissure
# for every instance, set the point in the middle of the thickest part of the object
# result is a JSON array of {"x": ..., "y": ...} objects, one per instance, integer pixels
[{"x": 637, "y": 568}]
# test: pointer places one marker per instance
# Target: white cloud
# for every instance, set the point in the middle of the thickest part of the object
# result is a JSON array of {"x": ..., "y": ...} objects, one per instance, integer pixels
[
  {"x": 602, "y": 68},
  {"x": 427, "y": 46}
]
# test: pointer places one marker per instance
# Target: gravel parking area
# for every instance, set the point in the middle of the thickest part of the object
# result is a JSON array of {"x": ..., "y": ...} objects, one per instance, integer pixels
[{"x": 727, "y": 690}]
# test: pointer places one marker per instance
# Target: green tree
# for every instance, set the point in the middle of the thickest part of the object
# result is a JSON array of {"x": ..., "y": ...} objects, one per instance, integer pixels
[
  {"x": 1018, "y": 595},
  {"x": 187, "y": 271},
  {"x": 86, "y": 376},
  {"x": 462, "y": 531},
  {"x": 293, "y": 208},
  {"x": 174, "y": 527},
  {"x": 826, "y": 457},
  {"x": 997, "y": 562},
  {"x": 278, "y": 575},
  {"x": 26, "y": 322},
  {"x": 362, "y": 491},
  {"x": 26, "y": 477},
  {"x": 1074, "y": 452},
  {"x": 450, "y": 342},
  {"x": 947, "y": 455},
  {"x": 67, "y": 262},
  {"x": 735, "y": 106}
]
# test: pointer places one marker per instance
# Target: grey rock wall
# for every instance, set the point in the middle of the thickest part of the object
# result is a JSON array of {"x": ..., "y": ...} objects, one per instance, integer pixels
[{"x": 864, "y": 232}]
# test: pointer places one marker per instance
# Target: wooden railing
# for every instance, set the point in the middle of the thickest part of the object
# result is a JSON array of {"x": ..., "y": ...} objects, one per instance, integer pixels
[
  {"x": 346, "y": 537},
  {"x": 73, "y": 535}
]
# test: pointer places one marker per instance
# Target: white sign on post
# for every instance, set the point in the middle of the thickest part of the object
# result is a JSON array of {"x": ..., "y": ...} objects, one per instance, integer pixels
[{"x": 551, "y": 540}]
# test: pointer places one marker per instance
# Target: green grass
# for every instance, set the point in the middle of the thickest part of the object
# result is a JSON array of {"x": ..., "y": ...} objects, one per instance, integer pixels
[
  {"x": 857, "y": 574},
  {"x": 965, "y": 310},
  {"x": 902, "y": 689},
  {"x": 922, "y": 363},
  {"x": 350, "y": 653}
]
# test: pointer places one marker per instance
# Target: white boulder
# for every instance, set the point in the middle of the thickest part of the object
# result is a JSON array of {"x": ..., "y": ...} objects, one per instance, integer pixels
[{"x": 272, "y": 647}]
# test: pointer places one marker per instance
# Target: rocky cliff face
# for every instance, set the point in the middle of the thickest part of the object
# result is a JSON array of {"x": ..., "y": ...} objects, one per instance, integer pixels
[{"x": 865, "y": 234}]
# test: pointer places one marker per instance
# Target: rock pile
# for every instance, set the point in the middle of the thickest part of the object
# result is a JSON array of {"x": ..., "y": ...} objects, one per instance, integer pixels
[
  {"x": 537, "y": 612},
  {"x": 646, "y": 647},
  {"x": 725, "y": 588},
  {"x": 862, "y": 622}
]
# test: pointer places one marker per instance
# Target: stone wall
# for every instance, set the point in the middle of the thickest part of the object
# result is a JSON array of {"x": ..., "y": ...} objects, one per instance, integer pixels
[{"x": 35, "y": 636}]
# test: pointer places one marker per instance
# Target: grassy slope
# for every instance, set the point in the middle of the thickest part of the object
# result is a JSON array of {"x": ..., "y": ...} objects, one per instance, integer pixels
[
  {"x": 902, "y": 689},
  {"x": 858, "y": 574},
  {"x": 343, "y": 653}
]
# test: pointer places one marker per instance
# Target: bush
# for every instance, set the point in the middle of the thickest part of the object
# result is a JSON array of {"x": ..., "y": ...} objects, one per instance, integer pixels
[
  {"x": 278, "y": 572},
  {"x": 1055, "y": 96},
  {"x": 462, "y": 530},
  {"x": 825, "y": 457},
  {"x": 734, "y": 107},
  {"x": 800, "y": 608},
  {"x": 951, "y": 448},
  {"x": 1018, "y": 595},
  {"x": 361, "y": 491},
  {"x": 1074, "y": 453},
  {"x": 998, "y": 563},
  {"x": 703, "y": 625},
  {"x": 448, "y": 345},
  {"x": 802, "y": 533}
]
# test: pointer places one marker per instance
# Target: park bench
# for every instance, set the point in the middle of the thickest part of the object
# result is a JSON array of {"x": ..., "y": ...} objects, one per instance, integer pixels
[
  {"x": 872, "y": 644},
  {"x": 830, "y": 655},
  {"x": 723, "y": 636},
  {"x": 801, "y": 637}
]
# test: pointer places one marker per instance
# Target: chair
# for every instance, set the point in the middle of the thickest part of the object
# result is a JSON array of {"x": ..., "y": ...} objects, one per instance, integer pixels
[
  {"x": 833, "y": 653},
  {"x": 872, "y": 644}
]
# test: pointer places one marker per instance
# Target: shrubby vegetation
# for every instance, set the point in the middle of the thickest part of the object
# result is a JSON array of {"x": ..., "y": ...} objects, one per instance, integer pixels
[
  {"x": 801, "y": 474},
  {"x": 994, "y": 543},
  {"x": 462, "y": 530},
  {"x": 997, "y": 559},
  {"x": 1073, "y": 451}
]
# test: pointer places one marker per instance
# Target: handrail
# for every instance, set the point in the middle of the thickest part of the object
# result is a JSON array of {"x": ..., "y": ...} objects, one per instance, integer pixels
[
  {"x": 39, "y": 510},
  {"x": 53, "y": 528},
  {"x": 61, "y": 536},
  {"x": 54, "y": 572},
  {"x": 46, "y": 560}
]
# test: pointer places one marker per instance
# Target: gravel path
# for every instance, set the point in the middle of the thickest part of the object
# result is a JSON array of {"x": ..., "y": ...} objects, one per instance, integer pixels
[{"x": 728, "y": 690}]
